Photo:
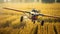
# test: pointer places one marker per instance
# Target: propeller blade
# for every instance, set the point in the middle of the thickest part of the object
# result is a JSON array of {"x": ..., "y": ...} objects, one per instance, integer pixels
[
  {"x": 49, "y": 16},
  {"x": 16, "y": 10}
]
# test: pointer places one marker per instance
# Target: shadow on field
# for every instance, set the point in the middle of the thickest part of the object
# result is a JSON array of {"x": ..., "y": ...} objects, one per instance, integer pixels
[
  {"x": 21, "y": 25},
  {"x": 14, "y": 26},
  {"x": 34, "y": 30},
  {"x": 55, "y": 30}
]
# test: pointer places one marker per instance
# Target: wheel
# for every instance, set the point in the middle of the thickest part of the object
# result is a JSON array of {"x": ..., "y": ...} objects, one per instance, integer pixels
[
  {"x": 21, "y": 19},
  {"x": 33, "y": 21},
  {"x": 42, "y": 23}
]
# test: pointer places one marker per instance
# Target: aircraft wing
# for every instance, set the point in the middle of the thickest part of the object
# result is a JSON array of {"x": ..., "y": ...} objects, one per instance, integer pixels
[
  {"x": 49, "y": 16},
  {"x": 16, "y": 10}
]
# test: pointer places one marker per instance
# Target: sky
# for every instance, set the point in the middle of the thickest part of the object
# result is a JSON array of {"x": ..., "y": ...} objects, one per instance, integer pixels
[{"x": 43, "y": 1}]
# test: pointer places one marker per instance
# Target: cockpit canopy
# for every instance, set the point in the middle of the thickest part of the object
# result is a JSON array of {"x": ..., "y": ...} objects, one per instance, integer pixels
[{"x": 34, "y": 10}]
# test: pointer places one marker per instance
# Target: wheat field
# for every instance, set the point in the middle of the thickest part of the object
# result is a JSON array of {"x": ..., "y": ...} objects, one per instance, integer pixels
[{"x": 10, "y": 20}]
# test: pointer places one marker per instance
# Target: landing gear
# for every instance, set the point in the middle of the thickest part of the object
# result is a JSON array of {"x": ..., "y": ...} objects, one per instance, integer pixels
[
  {"x": 42, "y": 22},
  {"x": 21, "y": 19},
  {"x": 33, "y": 21}
]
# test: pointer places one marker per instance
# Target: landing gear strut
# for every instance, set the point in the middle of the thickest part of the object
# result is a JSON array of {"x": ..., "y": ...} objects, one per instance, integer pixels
[
  {"x": 42, "y": 23},
  {"x": 21, "y": 19}
]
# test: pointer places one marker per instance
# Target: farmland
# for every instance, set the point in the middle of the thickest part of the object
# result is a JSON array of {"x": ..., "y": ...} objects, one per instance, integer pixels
[{"x": 10, "y": 20}]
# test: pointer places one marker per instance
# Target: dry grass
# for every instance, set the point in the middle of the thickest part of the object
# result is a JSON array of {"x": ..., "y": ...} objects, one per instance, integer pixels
[{"x": 10, "y": 23}]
